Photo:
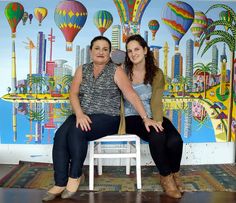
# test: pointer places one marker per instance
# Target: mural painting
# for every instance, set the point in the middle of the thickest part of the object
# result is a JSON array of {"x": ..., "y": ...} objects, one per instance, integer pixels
[{"x": 42, "y": 43}]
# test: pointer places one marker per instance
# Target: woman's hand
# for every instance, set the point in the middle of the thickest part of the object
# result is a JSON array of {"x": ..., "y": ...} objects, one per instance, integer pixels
[
  {"x": 83, "y": 121},
  {"x": 149, "y": 122}
]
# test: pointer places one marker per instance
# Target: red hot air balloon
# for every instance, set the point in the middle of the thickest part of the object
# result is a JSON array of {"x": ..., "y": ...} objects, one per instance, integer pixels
[
  {"x": 153, "y": 26},
  {"x": 14, "y": 12},
  {"x": 70, "y": 16}
]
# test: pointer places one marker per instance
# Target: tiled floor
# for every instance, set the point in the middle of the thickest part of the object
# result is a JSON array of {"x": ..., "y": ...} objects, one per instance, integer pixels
[{"x": 4, "y": 169}]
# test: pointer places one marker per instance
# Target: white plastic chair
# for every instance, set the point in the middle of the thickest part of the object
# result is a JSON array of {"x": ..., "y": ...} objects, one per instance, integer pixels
[{"x": 97, "y": 150}]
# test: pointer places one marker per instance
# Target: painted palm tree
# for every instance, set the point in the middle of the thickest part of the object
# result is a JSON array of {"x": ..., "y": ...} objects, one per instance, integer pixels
[
  {"x": 229, "y": 38},
  {"x": 208, "y": 68},
  {"x": 184, "y": 81},
  {"x": 37, "y": 115},
  {"x": 51, "y": 83},
  {"x": 168, "y": 81},
  {"x": 38, "y": 81},
  {"x": 67, "y": 80}
]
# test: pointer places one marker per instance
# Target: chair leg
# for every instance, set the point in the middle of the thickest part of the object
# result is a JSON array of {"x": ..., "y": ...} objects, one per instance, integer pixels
[
  {"x": 138, "y": 164},
  {"x": 91, "y": 165},
  {"x": 128, "y": 160},
  {"x": 99, "y": 147}
]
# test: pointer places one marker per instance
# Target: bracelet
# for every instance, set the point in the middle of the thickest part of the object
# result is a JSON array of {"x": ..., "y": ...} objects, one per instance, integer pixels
[{"x": 144, "y": 117}]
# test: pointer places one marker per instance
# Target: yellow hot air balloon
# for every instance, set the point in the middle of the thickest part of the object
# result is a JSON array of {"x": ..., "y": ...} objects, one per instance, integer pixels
[{"x": 40, "y": 13}]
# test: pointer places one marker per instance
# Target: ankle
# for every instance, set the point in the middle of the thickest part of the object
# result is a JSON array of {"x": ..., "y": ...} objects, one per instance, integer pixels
[
  {"x": 56, "y": 189},
  {"x": 73, "y": 184}
]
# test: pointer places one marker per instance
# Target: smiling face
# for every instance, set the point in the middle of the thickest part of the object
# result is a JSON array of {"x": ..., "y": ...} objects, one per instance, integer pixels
[
  {"x": 136, "y": 52},
  {"x": 100, "y": 52}
]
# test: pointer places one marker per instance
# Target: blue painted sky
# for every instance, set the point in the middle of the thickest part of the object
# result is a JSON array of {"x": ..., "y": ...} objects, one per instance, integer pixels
[{"x": 153, "y": 11}]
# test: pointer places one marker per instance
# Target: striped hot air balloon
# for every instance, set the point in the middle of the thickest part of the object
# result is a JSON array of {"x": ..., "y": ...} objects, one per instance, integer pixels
[
  {"x": 70, "y": 16},
  {"x": 226, "y": 16},
  {"x": 102, "y": 20},
  {"x": 130, "y": 13},
  {"x": 178, "y": 17},
  {"x": 40, "y": 13},
  {"x": 154, "y": 27},
  {"x": 14, "y": 12},
  {"x": 199, "y": 26}
]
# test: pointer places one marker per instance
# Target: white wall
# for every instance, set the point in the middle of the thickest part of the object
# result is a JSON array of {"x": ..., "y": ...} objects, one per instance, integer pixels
[{"x": 193, "y": 154}]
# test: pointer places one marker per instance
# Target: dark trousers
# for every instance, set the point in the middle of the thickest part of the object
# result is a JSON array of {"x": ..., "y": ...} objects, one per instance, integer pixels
[
  {"x": 71, "y": 144},
  {"x": 165, "y": 147}
]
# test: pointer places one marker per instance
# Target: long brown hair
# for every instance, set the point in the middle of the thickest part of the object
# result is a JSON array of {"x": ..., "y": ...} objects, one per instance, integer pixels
[{"x": 150, "y": 66}]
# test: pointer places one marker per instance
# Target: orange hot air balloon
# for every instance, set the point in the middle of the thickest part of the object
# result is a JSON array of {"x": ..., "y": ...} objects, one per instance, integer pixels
[
  {"x": 40, "y": 13},
  {"x": 14, "y": 12}
]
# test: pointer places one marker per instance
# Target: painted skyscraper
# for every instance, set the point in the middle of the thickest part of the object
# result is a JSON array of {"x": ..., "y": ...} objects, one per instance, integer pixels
[
  {"x": 41, "y": 53},
  {"x": 176, "y": 65},
  {"x": 116, "y": 37},
  {"x": 189, "y": 63},
  {"x": 82, "y": 56},
  {"x": 189, "y": 76},
  {"x": 77, "y": 56},
  {"x": 177, "y": 70},
  {"x": 87, "y": 56},
  {"x": 215, "y": 57}
]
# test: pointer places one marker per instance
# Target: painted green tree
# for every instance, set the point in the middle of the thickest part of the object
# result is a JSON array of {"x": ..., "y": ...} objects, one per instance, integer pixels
[{"x": 229, "y": 38}]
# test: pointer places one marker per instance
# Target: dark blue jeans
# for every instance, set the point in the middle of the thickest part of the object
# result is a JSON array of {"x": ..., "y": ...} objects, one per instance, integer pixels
[
  {"x": 165, "y": 147},
  {"x": 71, "y": 144}
]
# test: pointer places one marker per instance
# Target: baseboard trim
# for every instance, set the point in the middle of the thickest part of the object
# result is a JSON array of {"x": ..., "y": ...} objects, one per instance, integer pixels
[{"x": 193, "y": 154}]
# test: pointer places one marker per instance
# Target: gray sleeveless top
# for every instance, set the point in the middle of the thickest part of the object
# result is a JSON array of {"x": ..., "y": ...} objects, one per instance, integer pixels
[
  {"x": 145, "y": 93},
  {"x": 100, "y": 95}
]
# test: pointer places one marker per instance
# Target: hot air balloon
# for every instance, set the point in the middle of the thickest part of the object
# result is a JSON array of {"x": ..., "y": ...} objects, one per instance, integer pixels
[
  {"x": 207, "y": 31},
  {"x": 153, "y": 26},
  {"x": 103, "y": 20},
  {"x": 30, "y": 17},
  {"x": 25, "y": 18},
  {"x": 225, "y": 15},
  {"x": 198, "y": 27},
  {"x": 70, "y": 16},
  {"x": 178, "y": 17},
  {"x": 130, "y": 13},
  {"x": 14, "y": 12},
  {"x": 40, "y": 13}
]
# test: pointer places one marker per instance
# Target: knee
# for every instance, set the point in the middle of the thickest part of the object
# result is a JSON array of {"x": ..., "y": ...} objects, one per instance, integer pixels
[
  {"x": 175, "y": 142},
  {"x": 157, "y": 137}
]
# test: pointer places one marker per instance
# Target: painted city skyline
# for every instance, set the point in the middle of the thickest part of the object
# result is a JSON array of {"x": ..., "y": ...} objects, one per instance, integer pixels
[{"x": 44, "y": 69}]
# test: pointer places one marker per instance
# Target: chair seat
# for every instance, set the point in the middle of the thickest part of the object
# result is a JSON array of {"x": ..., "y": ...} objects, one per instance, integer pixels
[{"x": 98, "y": 151}]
